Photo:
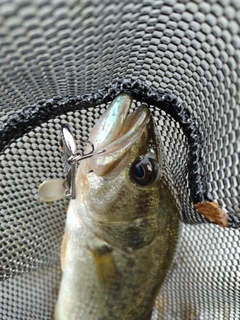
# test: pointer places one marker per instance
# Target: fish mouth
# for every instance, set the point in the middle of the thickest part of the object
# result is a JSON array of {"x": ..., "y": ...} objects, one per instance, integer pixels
[{"x": 116, "y": 131}]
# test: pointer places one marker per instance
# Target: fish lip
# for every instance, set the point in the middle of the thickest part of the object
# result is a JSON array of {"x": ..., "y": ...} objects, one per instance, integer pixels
[
  {"x": 110, "y": 124},
  {"x": 135, "y": 125},
  {"x": 115, "y": 122}
]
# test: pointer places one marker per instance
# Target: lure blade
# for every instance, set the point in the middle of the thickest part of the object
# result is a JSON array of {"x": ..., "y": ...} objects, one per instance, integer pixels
[
  {"x": 52, "y": 190},
  {"x": 69, "y": 150}
]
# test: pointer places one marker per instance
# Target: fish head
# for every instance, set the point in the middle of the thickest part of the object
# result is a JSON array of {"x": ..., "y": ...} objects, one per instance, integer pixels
[{"x": 125, "y": 189}]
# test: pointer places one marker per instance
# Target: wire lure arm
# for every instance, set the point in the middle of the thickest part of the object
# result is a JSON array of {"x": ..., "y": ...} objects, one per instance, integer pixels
[{"x": 71, "y": 158}]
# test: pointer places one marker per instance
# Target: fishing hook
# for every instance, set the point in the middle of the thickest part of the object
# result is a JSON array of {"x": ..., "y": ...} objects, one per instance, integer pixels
[{"x": 70, "y": 159}]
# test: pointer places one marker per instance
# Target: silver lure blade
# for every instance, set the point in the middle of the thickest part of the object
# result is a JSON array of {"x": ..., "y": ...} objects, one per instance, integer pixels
[
  {"x": 52, "y": 190},
  {"x": 69, "y": 150}
]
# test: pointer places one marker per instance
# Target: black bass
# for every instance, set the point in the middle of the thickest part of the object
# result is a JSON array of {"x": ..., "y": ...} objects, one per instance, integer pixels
[{"x": 122, "y": 228}]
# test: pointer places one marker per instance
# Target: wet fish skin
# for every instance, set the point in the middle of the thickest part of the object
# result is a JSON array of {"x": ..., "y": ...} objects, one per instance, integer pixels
[{"x": 120, "y": 236}]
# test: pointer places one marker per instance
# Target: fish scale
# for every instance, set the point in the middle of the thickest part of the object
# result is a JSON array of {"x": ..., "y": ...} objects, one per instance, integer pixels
[{"x": 115, "y": 257}]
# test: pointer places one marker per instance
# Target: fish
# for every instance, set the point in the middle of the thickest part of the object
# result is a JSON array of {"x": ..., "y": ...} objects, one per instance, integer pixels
[{"x": 122, "y": 228}]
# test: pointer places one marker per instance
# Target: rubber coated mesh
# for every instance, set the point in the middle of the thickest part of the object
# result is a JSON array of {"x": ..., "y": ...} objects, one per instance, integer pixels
[{"x": 72, "y": 48}]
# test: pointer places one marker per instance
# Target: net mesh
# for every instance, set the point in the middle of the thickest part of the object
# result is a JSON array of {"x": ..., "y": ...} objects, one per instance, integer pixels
[{"x": 71, "y": 49}]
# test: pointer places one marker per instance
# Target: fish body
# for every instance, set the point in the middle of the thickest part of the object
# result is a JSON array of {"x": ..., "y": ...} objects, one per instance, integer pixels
[{"x": 122, "y": 228}]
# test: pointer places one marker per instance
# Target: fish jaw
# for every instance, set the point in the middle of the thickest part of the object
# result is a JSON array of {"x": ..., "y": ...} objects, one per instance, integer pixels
[
  {"x": 115, "y": 132},
  {"x": 118, "y": 148},
  {"x": 111, "y": 122}
]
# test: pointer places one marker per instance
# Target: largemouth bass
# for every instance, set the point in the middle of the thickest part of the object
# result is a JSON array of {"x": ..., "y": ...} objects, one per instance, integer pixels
[{"x": 121, "y": 230}]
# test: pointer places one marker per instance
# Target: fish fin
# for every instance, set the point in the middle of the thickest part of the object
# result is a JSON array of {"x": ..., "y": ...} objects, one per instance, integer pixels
[
  {"x": 105, "y": 265},
  {"x": 64, "y": 250}
]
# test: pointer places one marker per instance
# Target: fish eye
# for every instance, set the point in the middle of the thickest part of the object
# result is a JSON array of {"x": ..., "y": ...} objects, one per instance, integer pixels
[{"x": 142, "y": 171}]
